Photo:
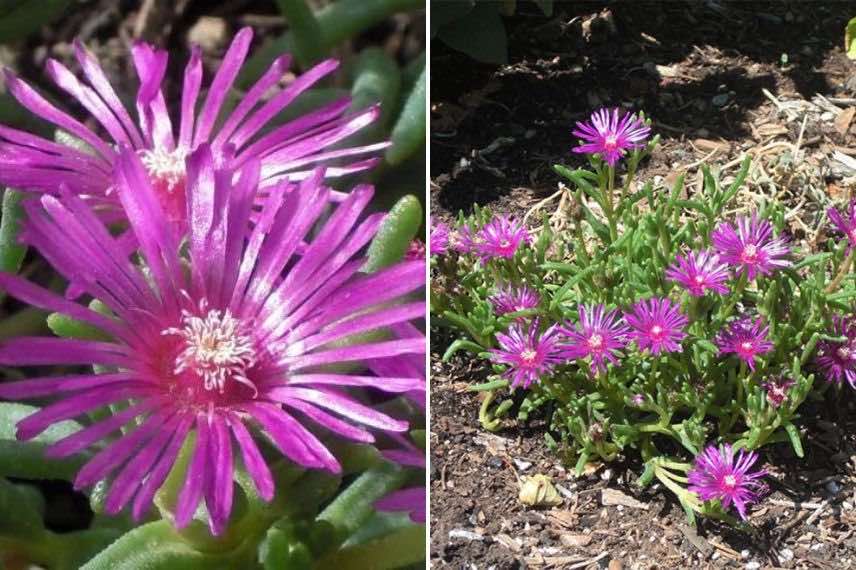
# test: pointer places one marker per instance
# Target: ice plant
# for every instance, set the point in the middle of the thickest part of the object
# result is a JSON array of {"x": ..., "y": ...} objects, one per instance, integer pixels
[
  {"x": 747, "y": 338},
  {"x": 243, "y": 337},
  {"x": 836, "y": 360},
  {"x": 599, "y": 335},
  {"x": 609, "y": 134},
  {"x": 699, "y": 272},
  {"x": 717, "y": 474},
  {"x": 499, "y": 238},
  {"x": 439, "y": 241},
  {"x": 527, "y": 353},
  {"x": 777, "y": 390},
  {"x": 28, "y": 162},
  {"x": 510, "y": 299},
  {"x": 751, "y": 247},
  {"x": 657, "y": 325},
  {"x": 846, "y": 226}
]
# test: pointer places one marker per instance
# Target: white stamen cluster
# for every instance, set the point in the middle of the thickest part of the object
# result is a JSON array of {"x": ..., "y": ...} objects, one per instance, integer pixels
[
  {"x": 216, "y": 348},
  {"x": 165, "y": 166}
]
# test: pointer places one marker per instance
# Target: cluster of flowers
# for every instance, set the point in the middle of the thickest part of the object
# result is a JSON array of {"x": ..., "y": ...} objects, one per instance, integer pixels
[
  {"x": 231, "y": 295},
  {"x": 738, "y": 255}
]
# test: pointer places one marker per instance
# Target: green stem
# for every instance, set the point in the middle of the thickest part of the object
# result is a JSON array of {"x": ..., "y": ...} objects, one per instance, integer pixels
[
  {"x": 842, "y": 273},
  {"x": 732, "y": 300},
  {"x": 607, "y": 200}
]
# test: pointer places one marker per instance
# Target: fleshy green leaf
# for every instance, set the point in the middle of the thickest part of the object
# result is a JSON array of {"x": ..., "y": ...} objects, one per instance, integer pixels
[
  {"x": 396, "y": 232},
  {"x": 11, "y": 252},
  {"x": 850, "y": 38},
  {"x": 408, "y": 135},
  {"x": 26, "y": 459}
]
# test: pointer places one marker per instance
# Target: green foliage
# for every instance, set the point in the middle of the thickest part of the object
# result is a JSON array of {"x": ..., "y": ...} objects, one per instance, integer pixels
[
  {"x": 616, "y": 255},
  {"x": 850, "y": 39},
  {"x": 20, "y": 18},
  {"x": 11, "y": 251},
  {"x": 395, "y": 234}
]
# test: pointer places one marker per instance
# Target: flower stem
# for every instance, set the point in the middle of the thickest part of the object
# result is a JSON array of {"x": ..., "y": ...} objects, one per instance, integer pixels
[{"x": 842, "y": 273}]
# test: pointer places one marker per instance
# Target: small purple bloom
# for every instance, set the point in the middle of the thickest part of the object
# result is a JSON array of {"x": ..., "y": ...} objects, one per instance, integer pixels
[
  {"x": 609, "y": 136},
  {"x": 600, "y": 335},
  {"x": 717, "y": 475},
  {"x": 751, "y": 247},
  {"x": 837, "y": 360},
  {"x": 745, "y": 337},
  {"x": 235, "y": 336},
  {"x": 290, "y": 150},
  {"x": 777, "y": 390},
  {"x": 509, "y": 299},
  {"x": 499, "y": 238},
  {"x": 845, "y": 226},
  {"x": 415, "y": 251},
  {"x": 699, "y": 272},
  {"x": 439, "y": 238},
  {"x": 657, "y": 324},
  {"x": 528, "y": 354}
]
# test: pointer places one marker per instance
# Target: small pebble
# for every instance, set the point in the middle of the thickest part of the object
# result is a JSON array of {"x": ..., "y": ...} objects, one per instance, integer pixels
[
  {"x": 832, "y": 487},
  {"x": 720, "y": 100},
  {"x": 754, "y": 565},
  {"x": 786, "y": 555},
  {"x": 745, "y": 553}
]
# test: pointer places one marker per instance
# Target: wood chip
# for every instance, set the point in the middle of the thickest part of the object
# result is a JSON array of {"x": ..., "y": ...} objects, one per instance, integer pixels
[
  {"x": 575, "y": 540},
  {"x": 842, "y": 121},
  {"x": 615, "y": 497}
]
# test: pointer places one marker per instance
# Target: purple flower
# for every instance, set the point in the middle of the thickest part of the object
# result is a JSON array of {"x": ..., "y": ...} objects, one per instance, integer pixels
[
  {"x": 745, "y": 337},
  {"x": 240, "y": 339},
  {"x": 698, "y": 272},
  {"x": 600, "y": 335},
  {"x": 657, "y": 324},
  {"x": 716, "y": 475},
  {"x": 529, "y": 355},
  {"x": 777, "y": 390},
  {"x": 510, "y": 299},
  {"x": 500, "y": 237},
  {"x": 609, "y": 136},
  {"x": 439, "y": 239},
  {"x": 411, "y": 500},
  {"x": 290, "y": 150},
  {"x": 848, "y": 226},
  {"x": 751, "y": 248},
  {"x": 837, "y": 360},
  {"x": 415, "y": 251}
]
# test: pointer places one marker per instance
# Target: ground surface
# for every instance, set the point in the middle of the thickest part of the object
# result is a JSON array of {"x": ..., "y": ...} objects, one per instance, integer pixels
[{"x": 719, "y": 80}]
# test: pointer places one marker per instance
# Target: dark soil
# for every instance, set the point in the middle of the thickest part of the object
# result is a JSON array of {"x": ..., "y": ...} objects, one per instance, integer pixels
[{"x": 699, "y": 70}]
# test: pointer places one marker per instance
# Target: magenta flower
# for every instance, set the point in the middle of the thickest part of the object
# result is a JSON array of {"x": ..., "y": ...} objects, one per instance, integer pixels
[
  {"x": 499, "y": 238},
  {"x": 777, "y": 390},
  {"x": 745, "y": 337},
  {"x": 657, "y": 325},
  {"x": 439, "y": 238},
  {"x": 415, "y": 251},
  {"x": 837, "y": 360},
  {"x": 291, "y": 150},
  {"x": 845, "y": 226},
  {"x": 717, "y": 475},
  {"x": 240, "y": 339},
  {"x": 751, "y": 248},
  {"x": 467, "y": 241},
  {"x": 509, "y": 299},
  {"x": 698, "y": 272},
  {"x": 599, "y": 335},
  {"x": 529, "y": 355},
  {"x": 411, "y": 500},
  {"x": 609, "y": 136}
]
